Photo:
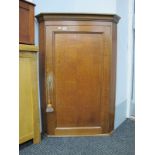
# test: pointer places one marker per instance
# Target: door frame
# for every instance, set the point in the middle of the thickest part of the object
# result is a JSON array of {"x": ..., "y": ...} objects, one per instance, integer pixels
[{"x": 130, "y": 59}]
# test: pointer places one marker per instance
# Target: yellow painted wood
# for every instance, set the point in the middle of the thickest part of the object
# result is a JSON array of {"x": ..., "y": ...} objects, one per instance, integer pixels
[
  {"x": 29, "y": 125},
  {"x": 31, "y": 48},
  {"x": 25, "y": 138},
  {"x": 36, "y": 122}
]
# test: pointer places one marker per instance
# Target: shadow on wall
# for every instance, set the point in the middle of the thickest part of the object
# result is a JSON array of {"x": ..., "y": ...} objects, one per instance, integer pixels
[{"x": 120, "y": 114}]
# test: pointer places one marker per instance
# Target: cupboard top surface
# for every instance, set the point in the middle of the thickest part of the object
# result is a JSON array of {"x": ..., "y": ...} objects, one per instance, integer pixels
[
  {"x": 77, "y": 16},
  {"x": 28, "y": 2},
  {"x": 30, "y": 48}
]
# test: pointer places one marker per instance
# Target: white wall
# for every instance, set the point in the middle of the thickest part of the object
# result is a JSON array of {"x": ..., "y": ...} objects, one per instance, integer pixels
[
  {"x": 96, "y": 6},
  {"x": 130, "y": 60},
  {"x": 119, "y": 7},
  {"x": 122, "y": 51}
]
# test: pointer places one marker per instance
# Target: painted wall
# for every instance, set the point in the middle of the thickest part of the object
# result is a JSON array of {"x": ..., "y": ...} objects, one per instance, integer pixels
[
  {"x": 122, "y": 56},
  {"x": 102, "y": 6},
  {"x": 119, "y": 7}
]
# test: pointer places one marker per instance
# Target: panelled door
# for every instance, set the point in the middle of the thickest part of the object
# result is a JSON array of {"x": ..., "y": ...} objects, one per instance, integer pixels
[{"x": 77, "y": 62}]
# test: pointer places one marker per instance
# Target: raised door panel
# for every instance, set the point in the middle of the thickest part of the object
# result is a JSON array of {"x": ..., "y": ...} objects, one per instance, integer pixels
[
  {"x": 76, "y": 57},
  {"x": 78, "y": 79}
]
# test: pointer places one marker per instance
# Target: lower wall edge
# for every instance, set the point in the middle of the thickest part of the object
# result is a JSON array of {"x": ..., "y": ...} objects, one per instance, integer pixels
[{"x": 120, "y": 113}]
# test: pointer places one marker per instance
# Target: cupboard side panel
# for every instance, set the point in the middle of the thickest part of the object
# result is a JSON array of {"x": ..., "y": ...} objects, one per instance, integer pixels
[
  {"x": 113, "y": 75},
  {"x": 42, "y": 74}
]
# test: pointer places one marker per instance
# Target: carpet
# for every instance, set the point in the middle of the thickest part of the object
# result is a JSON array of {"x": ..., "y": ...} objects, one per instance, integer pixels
[{"x": 121, "y": 142}]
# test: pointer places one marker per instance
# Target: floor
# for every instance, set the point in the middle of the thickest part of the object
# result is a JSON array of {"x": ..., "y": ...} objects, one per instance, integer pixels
[{"x": 122, "y": 142}]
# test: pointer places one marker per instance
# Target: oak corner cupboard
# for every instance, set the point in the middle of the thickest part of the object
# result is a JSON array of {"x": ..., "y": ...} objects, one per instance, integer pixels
[{"x": 77, "y": 72}]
